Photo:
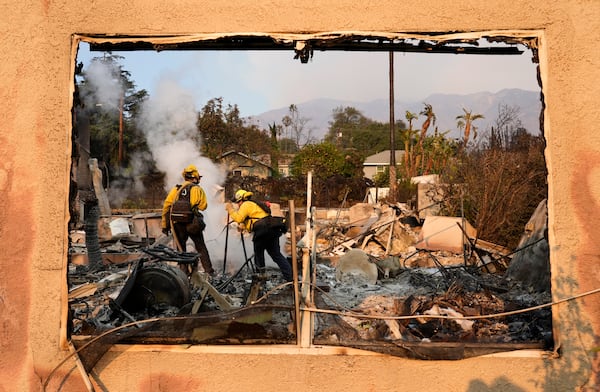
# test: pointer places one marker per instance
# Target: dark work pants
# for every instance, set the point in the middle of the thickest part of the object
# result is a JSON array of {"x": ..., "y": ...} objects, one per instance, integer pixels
[
  {"x": 270, "y": 242},
  {"x": 183, "y": 231}
]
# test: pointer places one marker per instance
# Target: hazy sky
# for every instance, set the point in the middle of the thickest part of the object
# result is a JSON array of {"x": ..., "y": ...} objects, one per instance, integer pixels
[{"x": 258, "y": 81}]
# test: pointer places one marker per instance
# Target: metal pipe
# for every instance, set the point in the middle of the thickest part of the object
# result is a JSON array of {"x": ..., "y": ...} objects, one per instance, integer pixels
[
  {"x": 246, "y": 259},
  {"x": 392, "y": 169},
  {"x": 226, "y": 241}
]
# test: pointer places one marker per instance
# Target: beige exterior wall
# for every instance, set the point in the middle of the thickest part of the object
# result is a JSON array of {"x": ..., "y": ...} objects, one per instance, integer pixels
[
  {"x": 246, "y": 167},
  {"x": 36, "y": 75}
]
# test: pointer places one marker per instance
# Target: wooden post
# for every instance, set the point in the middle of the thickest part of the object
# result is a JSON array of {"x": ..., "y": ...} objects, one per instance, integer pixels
[{"x": 306, "y": 316}]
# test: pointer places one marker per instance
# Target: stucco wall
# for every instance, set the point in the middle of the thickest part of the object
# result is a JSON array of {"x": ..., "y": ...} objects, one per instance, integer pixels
[
  {"x": 246, "y": 167},
  {"x": 35, "y": 89}
]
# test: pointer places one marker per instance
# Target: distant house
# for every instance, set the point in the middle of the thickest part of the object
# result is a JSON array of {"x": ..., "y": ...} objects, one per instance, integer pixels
[
  {"x": 377, "y": 163},
  {"x": 284, "y": 163},
  {"x": 238, "y": 164}
]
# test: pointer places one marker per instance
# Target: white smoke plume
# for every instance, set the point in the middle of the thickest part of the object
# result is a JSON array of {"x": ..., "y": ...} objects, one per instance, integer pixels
[
  {"x": 104, "y": 91},
  {"x": 168, "y": 119},
  {"x": 104, "y": 87}
]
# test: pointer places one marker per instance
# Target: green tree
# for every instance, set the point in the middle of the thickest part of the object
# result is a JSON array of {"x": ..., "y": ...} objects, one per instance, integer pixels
[
  {"x": 353, "y": 164},
  {"x": 439, "y": 152},
  {"x": 350, "y": 129},
  {"x": 346, "y": 121},
  {"x": 222, "y": 130},
  {"x": 373, "y": 139},
  {"x": 215, "y": 132},
  {"x": 324, "y": 160},
  {"x": 111, "y": 103}
]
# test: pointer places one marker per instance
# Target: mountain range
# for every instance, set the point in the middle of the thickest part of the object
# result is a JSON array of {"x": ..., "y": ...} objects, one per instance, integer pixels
[{"x": 447, "y": 107}]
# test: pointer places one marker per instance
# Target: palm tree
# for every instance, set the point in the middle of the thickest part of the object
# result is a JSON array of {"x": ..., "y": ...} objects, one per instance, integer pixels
[
  {"x": 410, "y": 117},
  {"x": 429, "y": 120},
  {"x": 466, "y": 120},
  {"x": 440, "y": 151}
]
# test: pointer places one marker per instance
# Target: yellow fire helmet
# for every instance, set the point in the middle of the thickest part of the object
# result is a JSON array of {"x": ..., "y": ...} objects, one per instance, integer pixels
[
  {"x": 190, "y": 172},
  {"x": 242, "y": 195}
]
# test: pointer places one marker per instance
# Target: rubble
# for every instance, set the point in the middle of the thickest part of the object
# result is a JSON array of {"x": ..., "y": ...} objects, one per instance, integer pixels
[
  {"x": 536, "y": 255},
  {"x": 382, "y": 281}
]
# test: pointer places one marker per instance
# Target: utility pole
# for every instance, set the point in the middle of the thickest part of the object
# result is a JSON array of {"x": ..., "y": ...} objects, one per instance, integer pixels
[{"x": 392, "y": 171}]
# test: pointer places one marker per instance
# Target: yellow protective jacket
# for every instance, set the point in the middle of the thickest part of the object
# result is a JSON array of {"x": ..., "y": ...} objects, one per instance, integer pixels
[
  {"x": 198, "y": 201},
  {"x": 248, "y": 213}
]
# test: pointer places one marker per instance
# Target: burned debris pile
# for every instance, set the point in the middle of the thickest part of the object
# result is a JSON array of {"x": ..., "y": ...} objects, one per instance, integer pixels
[
  {"x": 430, "y": 283},
  {"x": 154, "y": 288},
  {"x": 382, "y": 279}
]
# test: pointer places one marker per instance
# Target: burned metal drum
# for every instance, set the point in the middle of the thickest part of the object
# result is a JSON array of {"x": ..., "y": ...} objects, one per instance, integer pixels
[{"x": 156, "y": 286}]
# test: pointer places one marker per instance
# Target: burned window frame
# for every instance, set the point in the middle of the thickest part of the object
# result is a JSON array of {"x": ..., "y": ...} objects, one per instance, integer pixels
[{"x": 304, "y": 47}]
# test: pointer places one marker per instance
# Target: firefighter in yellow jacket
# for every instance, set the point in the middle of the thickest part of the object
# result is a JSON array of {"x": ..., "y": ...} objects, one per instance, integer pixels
[
  {"x": 181, "y": 215},
  {"x": 249, "y": 213}
]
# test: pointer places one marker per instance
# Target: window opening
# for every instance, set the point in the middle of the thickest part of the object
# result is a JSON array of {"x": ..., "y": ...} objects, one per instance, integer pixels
[{"x": 382, "y": 272}]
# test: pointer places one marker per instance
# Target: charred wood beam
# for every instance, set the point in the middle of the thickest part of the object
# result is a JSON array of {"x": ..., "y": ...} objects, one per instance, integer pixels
[{"x": 352, "y": 44}]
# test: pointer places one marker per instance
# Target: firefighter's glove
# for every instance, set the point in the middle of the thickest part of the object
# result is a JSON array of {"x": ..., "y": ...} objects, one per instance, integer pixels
[{"x": 166, "y": 231}]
